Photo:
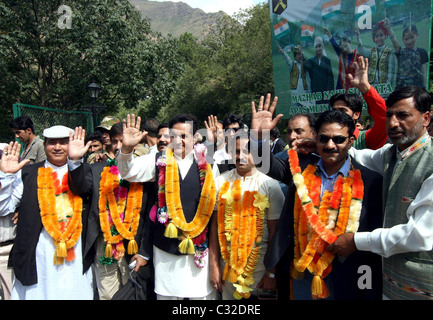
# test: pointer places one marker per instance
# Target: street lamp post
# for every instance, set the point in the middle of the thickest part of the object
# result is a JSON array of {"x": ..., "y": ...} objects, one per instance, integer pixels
[{"x": 94, "y": 90}]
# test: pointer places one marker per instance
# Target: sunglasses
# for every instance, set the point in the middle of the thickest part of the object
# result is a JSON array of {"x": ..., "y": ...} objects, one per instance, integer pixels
[{"x": 336, "y": 139}]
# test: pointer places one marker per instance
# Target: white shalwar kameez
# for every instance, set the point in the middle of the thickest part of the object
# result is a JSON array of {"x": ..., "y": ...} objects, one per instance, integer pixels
[{"x": 55, "y": 282}]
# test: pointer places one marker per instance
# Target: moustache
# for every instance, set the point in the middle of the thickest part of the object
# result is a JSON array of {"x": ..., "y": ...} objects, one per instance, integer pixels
[
  {"x": 162, "y": 144},
  {"x": 330, "y": 151},
  {"x": 395, "y": 131}
]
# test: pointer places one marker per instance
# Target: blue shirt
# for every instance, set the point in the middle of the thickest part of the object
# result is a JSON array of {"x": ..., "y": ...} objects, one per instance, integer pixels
[{"x": 328, "y": 181}]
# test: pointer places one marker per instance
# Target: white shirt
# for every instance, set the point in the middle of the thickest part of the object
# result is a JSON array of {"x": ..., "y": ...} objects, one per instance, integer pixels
[
  {"x": 66, "y": 281},
  {"x": 175, "y": 275},
  {"x": 9, "y": 200},
  {"x": 417, "y": 233}
]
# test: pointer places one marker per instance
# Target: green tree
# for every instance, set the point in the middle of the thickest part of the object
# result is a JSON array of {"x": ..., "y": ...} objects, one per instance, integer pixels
[
  {"x": 108, "y": 42},
  {"x": 231, "y": 66}
]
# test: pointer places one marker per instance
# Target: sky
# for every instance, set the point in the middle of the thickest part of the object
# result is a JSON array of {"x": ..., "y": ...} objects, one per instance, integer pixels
[{"x": 228, "y": 6}]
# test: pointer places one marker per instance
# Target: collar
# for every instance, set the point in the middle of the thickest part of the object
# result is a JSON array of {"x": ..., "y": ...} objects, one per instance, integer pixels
[
  {"x": 418, "y": 144},
  {"x": 60, "y": 170},
  {"x": 344, "y": 170},
  {"x": 189, "y": 157}
]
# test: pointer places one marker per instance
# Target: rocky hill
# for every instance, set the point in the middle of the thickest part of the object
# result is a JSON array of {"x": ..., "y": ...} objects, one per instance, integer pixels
[{"x": 175, "y": 18}]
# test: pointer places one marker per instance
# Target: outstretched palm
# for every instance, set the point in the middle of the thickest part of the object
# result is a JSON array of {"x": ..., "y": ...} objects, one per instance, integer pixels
[
  {"x": 262, "y": 118},
  {"x": 10, "y": 159},
  {"x": 77, "y": 149},
  {"x": 132, "y": 134},
  {"x": 360, "y": 78}
]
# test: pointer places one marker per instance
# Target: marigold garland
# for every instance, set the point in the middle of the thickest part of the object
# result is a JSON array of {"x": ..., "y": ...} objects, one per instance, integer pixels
[
  {"x": 119, "y": 212},
  {"x": 60, "y": 213},
  {"x": 170, "y": 204},
  {"x": 240, "y": 231},
  {"x": 338, "y": 212}
]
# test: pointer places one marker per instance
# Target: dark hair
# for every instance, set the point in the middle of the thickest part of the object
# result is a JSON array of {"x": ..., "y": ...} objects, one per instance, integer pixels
[
  {"x": 184, "y": 118},
  {"x": 335, "y": 116},
  {"x": 151, "y": 126},
  {"x": 116, "y": 129},
  {"x": 309, "y": 116},
  {"x": 95, "y": 135},
  {"x": 410, "y": 28},
  {"x": 422, "y": 99},
  {"x": 353, "y": 101},
  {"x": 162, "y": 125},
  {"x": 275, "y": 132},
  {"x": 232, "y": 118},
  {"x": 21, "y": 123}
]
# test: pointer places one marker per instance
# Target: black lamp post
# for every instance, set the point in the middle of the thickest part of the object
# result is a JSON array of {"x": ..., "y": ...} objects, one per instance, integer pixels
[{"x": 94, "y": 89}]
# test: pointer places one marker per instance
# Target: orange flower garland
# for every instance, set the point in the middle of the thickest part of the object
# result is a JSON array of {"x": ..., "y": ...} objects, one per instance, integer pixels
[
  {"x": 240, "y": 230},
  {"x": 65, "y": 229},
  {"x": 339, "y": 212},
  {"x": 129, "y": 202},
  {"x": 204, "y": 211}
]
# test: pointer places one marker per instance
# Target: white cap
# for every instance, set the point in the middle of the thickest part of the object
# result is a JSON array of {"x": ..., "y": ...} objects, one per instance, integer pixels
[{"x": 57, "y": 132}]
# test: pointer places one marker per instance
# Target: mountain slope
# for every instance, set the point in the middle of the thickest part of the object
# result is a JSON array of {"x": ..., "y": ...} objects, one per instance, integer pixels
[{"x": 175, "y": 18}]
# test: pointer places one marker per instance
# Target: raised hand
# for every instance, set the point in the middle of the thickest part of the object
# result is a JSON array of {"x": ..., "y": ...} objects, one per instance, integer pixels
[
  {"x": 359, "y": 79},
  {"x": 10, "y": 159},
  {"x": 132, "y": 134},
  {"x": 211, "y": 128},
  {"x": 77, "y": 149},
  {"x": 262, "y": 118}
]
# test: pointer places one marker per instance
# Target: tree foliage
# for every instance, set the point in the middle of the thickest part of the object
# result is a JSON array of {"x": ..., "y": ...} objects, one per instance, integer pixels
[
  {"x": 227, "y": 69},
  {"x": 139, "y": 70},
  {"x": 108, "y": 43}
]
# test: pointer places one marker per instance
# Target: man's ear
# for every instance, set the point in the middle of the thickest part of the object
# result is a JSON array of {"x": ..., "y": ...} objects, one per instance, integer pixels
[{"x": 356, "y": 115}]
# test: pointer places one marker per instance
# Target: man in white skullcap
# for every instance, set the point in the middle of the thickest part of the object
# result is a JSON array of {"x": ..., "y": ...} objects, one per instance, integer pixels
[{"x": 46, "y": 257}]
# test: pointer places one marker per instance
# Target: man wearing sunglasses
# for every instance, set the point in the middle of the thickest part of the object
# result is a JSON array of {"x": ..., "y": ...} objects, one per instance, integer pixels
[
  {"x": 334, "y": 139},
  {"x": 405, "y": 240}
]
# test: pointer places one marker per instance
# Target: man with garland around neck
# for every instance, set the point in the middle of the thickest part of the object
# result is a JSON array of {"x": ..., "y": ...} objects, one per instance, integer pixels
[
  {"x": 186, "y": 199},
  {"x": 48, "y": 254},
  {"x": 322, "y": 202},
  {"x": 405, "y": 240},
  {"x": 256, "y": 210},
  {"x": 114, "y": 231}
]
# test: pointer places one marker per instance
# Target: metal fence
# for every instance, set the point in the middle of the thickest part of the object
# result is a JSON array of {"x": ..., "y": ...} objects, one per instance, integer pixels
[{"x": 45, "y": 117}]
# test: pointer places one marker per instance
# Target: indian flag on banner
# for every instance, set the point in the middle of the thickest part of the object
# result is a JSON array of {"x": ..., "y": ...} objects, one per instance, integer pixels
[
  {"x": 281, "y": 29},
  {"x": 359, "y": 11},
  {"x": 331, "y": 9},
  {"x": 306, "y": 32},
  {"x": 368, "y": 3},
  {"x": 390, "y": 3}
]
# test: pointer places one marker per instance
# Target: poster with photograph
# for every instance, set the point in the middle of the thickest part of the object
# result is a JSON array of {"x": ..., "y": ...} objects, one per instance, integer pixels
[{"x": 316, "y": 42}]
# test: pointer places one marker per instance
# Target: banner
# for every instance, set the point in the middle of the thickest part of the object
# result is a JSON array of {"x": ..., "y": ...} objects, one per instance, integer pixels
[{"x": 316, "y": 42}]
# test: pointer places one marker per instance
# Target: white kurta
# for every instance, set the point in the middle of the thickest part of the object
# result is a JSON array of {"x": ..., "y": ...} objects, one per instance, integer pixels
[
  {"x": 269, "y": 187},
  {"x": 55, "y": 282},
  {"x": 175, "y": 275}
]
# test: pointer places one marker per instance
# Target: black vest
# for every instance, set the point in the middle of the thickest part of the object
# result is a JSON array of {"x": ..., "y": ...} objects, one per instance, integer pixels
[
  {"x": 190, "y": 190},
  {"x": 23, "y": 254}
]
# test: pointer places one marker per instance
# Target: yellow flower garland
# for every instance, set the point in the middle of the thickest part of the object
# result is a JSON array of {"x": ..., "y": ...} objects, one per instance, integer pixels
[
  {"x": 65, "y": 234},
  {"x": 240, "y": 223},
  {"x": 130, "y": 205},
  {"x": 315, "y": 228},
  {"x": 204, "y": 210}
]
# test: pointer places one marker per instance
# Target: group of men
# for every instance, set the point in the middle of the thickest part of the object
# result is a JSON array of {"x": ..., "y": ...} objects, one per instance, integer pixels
[{"x": 204, "y": 221}]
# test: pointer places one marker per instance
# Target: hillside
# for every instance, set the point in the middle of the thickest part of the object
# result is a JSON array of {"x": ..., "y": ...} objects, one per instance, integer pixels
[{"x": 175, "y": 18}]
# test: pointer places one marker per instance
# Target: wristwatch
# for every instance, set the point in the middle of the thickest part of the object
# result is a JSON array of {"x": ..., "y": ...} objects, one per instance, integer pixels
[{"x": 270, "y": 275}]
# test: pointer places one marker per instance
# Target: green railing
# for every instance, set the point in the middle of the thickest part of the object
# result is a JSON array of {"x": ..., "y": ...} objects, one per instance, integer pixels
[{"x": 45, "y": 117}]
